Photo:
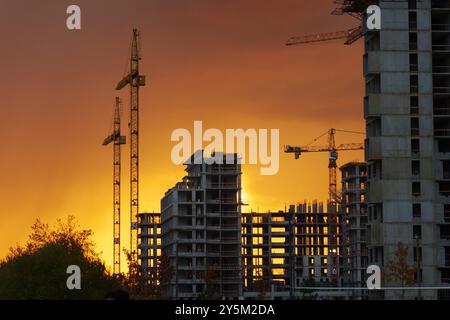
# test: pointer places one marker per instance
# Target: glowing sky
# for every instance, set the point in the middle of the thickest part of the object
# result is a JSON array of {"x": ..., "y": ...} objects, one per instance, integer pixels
[{"x": 222, "y": 62}]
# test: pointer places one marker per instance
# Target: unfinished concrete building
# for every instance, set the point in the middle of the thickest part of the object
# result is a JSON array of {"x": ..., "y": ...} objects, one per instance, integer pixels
[
  {"x": 268, "y": 254},
  {"x": 201, "y": 230},
  {"x": 285, "y": 250},
  {"x": 407, "y": 112},
  {"x": 279, "y": 252},
  {"x": 313, "y": 247},
  {"x": 354, "y": 235},
  {"x": 149, "y": 242}
]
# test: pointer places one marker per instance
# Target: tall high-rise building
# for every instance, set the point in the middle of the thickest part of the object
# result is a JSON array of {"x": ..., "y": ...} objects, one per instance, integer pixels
[
  {"x": 201, "y": 230},
  {"x": 354, "y": 214},
  {"x": 407, "y": 113}
]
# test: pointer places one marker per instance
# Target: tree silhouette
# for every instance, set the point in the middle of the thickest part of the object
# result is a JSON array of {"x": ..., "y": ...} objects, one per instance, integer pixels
[
  {"x": 210, "y": 278},
  {"x": 142, "y": 284},
  {"x": 138, "y": 282},
  {"x": 37, "y": 270},
  {"x": 165, "y": 272},
  {"x": 262, "y": 287},
  {"x": 398, "y": 270}
]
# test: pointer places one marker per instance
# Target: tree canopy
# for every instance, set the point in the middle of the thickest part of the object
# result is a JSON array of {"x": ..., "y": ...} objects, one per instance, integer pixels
[{"x": 37, "y": 270}]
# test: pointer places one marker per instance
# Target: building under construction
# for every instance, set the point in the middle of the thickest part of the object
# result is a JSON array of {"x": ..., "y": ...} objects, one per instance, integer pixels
[
  {"x": 268, "y": 253},
  {"x": 354, "y": 235},
  {"x": 217, "y": 250},
  {"x": 149, "y": 242},
  {"x": 407, "y": 113},
  {"x": 314, "y": 247},
  {"x": 201, "y": 230},
  {"x": 286, "y": 251},
  {"x": 406, "y": 108}
]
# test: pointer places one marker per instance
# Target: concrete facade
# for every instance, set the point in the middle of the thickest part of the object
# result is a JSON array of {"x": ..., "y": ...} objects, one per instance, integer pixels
[
  {"x": 407, "y": 113},
  {"x": 287, "y": 250},
  {"x": 268, "y": 244},
  {"x": 149, "y": 241},
  {"x": 313, "y": 246},
  {"x": 284, "y": 249},
  {"x": 354, "y": 210}
]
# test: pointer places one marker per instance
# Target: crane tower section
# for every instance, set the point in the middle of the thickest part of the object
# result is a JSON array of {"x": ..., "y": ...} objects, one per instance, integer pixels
[
  {"x": 117, "y": 139},
  {"x": 135, "y": 80}
]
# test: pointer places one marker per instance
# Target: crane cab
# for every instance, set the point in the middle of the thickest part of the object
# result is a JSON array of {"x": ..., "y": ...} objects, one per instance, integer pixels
[{"x": 333, "y": 155}]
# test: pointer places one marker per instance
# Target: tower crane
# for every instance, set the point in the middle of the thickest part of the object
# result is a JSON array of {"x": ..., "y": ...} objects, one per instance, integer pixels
[
  {"x": 354, "y": 8},
  {"x": 135, "y": 80},
  {"x": 117, "y": 139},
  {"x": 333, "y": 197}
]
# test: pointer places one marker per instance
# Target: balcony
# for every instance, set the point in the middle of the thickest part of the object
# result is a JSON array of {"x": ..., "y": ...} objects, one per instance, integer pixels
[
  {"x": 231, "y": 280},
  {"x": 441, "y": 47},
  {"x": 371, "y": 63},
  {"x": 230, "y": 267},
  {"x": 442, "y": 133},
  {"x": 229, "y": 226},
  {"x": 444, "y": 69},
  {"x": 373, "y": 148},
  {"x": 441, "y": 90},
  {"x": 444, "y": 232},
  {"x": 230, "y": 214},
  {"x": 372, "y": 105},
  {"x": 230, "y": 240},
  {"x": 222, "y": 201},
  {"x": 441, "y": 124},
  {"x": 213, "y": 253},
  {"x": 223, "y": 171},
  {"x": 230, "y": 293},
  {"x": 228, "y": 185},
  {"x": 441, "y": 111},
  {"x": 440, "y": 4},
  {"x": 213, "y": 227},
  {"x": 446, "y": 216}
]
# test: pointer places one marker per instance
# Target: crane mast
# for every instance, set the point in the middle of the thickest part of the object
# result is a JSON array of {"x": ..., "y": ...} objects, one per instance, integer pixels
[
  {"x": 117, "y": 140},
  {"x": 333, "y": 197},
  {"x": 332, "y": 206},
  {"x": 135, "y": 80}
]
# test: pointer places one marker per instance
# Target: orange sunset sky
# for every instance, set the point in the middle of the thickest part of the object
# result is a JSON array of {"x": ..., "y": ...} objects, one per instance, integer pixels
[{"x": 220, "y": 61}]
